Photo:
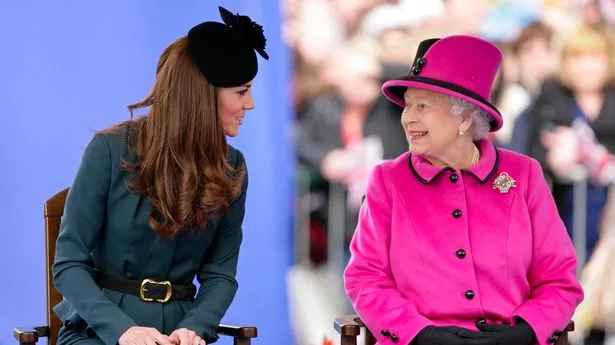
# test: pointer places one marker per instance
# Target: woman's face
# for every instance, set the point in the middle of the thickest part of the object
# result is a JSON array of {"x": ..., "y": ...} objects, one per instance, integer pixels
[
  {"x": 587, "y": 71},
  {"x": 232, "y": 105},
  {"x": 429, "y": 125}
]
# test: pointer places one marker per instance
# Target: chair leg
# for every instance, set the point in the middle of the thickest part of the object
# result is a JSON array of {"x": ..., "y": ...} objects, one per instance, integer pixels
[
  {"x": 242, "y": 341},
  {"x": 349, "y": 340}
]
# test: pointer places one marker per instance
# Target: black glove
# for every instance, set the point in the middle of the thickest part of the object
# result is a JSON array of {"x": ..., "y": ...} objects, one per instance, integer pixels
[
  {"x": 519, "y": 334},
  {"x": 450, "y": 335}
]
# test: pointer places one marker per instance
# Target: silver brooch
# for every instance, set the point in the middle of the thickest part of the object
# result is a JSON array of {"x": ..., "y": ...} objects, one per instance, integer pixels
[{"x": 504, "y": 183}]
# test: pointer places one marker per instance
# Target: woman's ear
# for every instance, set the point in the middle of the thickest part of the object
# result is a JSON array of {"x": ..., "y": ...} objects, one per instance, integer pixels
[{"x": 466, "y": 121}]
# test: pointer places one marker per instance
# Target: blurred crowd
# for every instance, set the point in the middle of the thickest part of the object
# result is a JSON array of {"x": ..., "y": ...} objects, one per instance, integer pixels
[{"x": 555, "y": 90}]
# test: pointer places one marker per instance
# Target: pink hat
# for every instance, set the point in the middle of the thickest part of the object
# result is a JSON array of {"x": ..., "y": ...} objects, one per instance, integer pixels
[{"x": 460, "y": 66}]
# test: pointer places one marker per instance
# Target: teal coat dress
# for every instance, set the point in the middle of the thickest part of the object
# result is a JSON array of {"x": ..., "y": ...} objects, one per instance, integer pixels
[{"x": 105, "y": 227}]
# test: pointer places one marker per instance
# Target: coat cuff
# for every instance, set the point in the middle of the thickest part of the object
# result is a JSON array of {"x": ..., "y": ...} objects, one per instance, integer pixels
[
  {"x": 111, "y": 332},
  {"x": 401, "y": 336},
  {"x": 206, "y": 333},
  {"x": 530, "y": 313}
]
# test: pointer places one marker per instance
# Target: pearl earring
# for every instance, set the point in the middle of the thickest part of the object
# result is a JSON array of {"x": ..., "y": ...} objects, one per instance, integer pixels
[{"x": 461, "y": 132}]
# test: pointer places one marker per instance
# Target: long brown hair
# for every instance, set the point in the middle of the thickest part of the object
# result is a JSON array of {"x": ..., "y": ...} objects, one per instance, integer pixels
[{"x": 181, "y": 151}]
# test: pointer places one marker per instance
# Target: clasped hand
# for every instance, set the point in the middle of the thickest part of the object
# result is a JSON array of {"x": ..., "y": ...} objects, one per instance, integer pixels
[
  {"x": 150, "y": 336},
  {"x": 488, "y": 334}
]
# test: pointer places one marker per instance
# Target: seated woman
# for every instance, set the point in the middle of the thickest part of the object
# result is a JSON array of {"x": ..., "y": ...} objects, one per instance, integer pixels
[
  {"x": 160, "y": 200},
  {"x": 459, "y": 242}
]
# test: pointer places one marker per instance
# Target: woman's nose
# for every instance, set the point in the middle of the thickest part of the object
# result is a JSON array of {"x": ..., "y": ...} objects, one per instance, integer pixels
[{"x": 249, "y": 104}]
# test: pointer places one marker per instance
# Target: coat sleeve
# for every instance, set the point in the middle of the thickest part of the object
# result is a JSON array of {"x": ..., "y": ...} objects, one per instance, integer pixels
[
  {"x": 368, "y": 279},
  {"x": 82, "y": 223},
  {"x": 216, "y": 274},
  {"x": 555, "y": 291}
]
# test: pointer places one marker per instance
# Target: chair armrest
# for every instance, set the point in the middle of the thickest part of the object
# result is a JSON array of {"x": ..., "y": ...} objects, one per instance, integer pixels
[
  {"x": 237, "y": 331},
  {"x": 562, "y": 339},
  {"x": 570, "y": 327},
  {"x": 348, "y": 325},
  {"x": 29, "y": 334}
]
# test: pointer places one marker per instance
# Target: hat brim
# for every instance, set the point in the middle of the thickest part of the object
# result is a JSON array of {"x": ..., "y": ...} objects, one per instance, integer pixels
[{"x": 394, "y": 90}]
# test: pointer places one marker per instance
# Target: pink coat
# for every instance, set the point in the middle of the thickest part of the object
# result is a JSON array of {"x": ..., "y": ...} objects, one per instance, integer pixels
[{"x": 442, "y": 247}]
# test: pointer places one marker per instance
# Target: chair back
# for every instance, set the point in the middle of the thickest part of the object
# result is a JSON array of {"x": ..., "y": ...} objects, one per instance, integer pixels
[{"x": 53, "y": 211}]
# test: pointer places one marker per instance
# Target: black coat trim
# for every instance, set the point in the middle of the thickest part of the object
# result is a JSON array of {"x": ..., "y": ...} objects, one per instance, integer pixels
[{"x": 494, "y": 169}]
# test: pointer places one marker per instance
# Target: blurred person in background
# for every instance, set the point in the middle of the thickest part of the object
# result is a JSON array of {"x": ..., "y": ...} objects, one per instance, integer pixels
[
  {"x": 351, "y": 12},
  {"x": 574, "y": 123},
  {"x": 340, "y": 136},
  {"x": 534, "y": 53},
  {"x": 582, "y": 91},
  {"x": 314, "y": 31},
  {"x": 389, "y": 26},
  {"x": 595, "y": 317},
  {"x": 459, "y": 242},
  {"x": 457, "y": 17}
]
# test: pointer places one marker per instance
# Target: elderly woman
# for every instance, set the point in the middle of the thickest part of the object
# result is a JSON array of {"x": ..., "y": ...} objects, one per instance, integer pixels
[{"x": 459, "y": 242}]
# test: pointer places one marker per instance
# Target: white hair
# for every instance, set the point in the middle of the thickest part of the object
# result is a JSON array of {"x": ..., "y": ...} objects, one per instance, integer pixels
[{"x": 480, "y": 119}]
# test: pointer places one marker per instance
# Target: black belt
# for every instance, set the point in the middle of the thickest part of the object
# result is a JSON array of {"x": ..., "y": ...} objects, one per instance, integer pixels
[{"x": 148, "y": 290}]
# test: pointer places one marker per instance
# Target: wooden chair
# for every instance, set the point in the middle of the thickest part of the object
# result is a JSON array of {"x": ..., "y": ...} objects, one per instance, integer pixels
[
  {"x": 53, "y": 211},
  {"x": 349, "y": 328}
]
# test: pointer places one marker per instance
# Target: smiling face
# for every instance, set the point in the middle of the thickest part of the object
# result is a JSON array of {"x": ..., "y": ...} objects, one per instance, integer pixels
[
  {"x": 430, "y": 126},
  {"x": 232, "y": 105},
  {"x": 587, "y": 72},
  {"x": 587, "y": 63}
]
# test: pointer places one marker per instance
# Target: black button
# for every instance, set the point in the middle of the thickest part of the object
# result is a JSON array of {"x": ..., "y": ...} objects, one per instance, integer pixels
[
  {"x": 469, "y": 294},
  {"x": 421, "y": 62},
  {"x": 481, "y": 321},
  {"x": 394, "y": 338},
  {"x": 457, "y": 213},
  {"x": 454, "y": 178},
  {"x": 385, "y": 332},
  {"x": 552, "y": 340},
  {"x": 461, "y": 253},
  {"x": 69, "y": 324},
  {"x": 416, "y": 70}
]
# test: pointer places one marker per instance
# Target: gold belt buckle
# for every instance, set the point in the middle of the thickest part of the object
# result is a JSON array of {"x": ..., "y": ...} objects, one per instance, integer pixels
[{"x": 165, "y": 283}]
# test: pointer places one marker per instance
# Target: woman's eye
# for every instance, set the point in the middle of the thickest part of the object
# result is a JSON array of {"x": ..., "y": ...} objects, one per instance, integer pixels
[{"x": 243, "y": 93}]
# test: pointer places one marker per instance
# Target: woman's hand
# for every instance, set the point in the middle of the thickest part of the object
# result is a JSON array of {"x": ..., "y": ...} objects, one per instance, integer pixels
[
  {"x": 335, "y": 165},
  {"x": 184, "y": 336},
  {"x": 519, "y": 334},
  {"x": 143, "y": 336},
  {"x": 563, "y": 150},
  {"x": 450, "y": 335}
]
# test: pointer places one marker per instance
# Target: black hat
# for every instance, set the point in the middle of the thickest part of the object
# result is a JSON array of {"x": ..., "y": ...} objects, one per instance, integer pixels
[{"x": 225, "y": 53}]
